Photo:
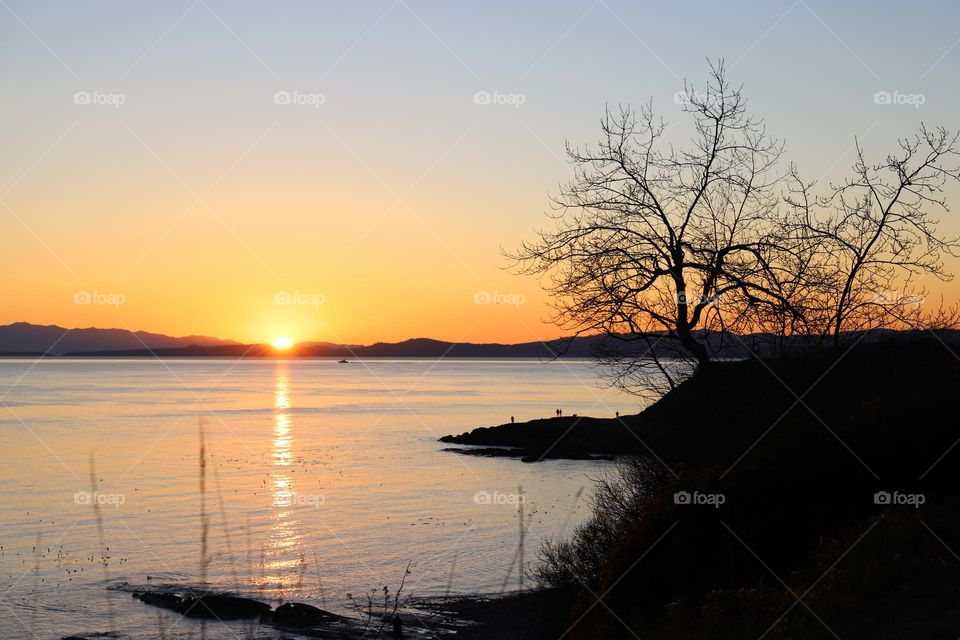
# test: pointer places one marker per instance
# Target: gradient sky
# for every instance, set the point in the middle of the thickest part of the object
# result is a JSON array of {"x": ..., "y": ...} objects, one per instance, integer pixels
[{"x": 199, "y": 198}]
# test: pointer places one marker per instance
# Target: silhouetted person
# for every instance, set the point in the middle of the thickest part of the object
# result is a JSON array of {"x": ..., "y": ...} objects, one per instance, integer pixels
[
  {"x": 511, "y": 420},
  {"x": 618, "y": 414},
  {"x": 397, "y": 627}
]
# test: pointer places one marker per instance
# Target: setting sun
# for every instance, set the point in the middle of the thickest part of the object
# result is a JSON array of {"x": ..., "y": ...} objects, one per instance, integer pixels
[{"x": 282, "y": 342}]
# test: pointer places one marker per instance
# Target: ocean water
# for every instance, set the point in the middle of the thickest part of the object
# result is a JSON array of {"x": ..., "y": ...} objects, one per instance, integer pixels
[{"x": 322, "y": 480}]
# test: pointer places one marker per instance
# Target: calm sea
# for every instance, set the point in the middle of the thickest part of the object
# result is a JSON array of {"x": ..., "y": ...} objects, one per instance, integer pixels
[{"x": 322, "y": 479}]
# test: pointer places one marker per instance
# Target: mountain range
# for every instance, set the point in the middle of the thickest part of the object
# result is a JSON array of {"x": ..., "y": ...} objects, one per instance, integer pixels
[
  {"x": 27, "y": 339},
  {"x": 24, "y": 339}
]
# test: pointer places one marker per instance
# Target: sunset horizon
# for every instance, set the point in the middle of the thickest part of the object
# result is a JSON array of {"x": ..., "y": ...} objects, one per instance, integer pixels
[
  {"x": 198, "y": 193},
  {"x": 479, "y": 321}
]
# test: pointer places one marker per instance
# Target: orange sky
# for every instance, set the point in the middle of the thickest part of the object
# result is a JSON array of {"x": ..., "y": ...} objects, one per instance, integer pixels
[
  {"x": 380, "y": 209},
  {"x": 356, "y": 264}
]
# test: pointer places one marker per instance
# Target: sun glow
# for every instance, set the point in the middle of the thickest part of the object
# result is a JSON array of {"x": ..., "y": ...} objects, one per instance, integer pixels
[{"x": 282, "y": 342}]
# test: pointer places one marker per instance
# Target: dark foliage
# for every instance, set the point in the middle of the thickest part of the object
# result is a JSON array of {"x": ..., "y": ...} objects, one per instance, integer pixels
[{"x": 798, "y": 519}]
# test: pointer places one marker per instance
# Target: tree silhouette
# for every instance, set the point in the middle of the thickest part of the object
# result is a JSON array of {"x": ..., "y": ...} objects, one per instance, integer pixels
[
  {"x": 661, "y": 246},
  {"x": 875, "y": 236}
]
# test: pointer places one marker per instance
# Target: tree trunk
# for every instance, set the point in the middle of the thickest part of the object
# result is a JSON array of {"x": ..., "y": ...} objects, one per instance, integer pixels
[{"x": 698, "y": 350}]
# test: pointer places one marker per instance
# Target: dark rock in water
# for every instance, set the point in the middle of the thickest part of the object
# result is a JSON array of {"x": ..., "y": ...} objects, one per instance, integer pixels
[
  {"x": 206, "y": 605},
  {"x": 164, "y": 600},
  {"x": 489, "y": 452},
  {"x": 223, "y": 607},
  {"x": 297, "y": 614},
  {"x": 561, "y": 438},
  {"x": 531, "y": 455}
]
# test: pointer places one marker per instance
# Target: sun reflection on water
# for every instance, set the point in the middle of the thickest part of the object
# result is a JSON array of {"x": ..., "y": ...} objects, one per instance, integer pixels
[
  {"x": 283, "y": 553},
  {"x": 282, "y": 440}
]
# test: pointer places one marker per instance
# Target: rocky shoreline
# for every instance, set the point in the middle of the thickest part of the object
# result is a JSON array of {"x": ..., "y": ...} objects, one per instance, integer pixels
[
  {"x": 205, "y": 604},
  {"x": 472, "y": 617},
  {"x": 561, "y": 438}
]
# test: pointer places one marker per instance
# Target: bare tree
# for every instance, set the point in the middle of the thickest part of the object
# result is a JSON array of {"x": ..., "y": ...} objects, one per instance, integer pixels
[
  {"x": 875, "y": 236},
  {"x": 664, "y": 248},
  {"x": 674, "y": 243}
]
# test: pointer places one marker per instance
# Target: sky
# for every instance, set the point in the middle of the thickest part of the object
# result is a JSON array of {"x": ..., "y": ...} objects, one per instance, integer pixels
[{"x": 324, "y": 171}]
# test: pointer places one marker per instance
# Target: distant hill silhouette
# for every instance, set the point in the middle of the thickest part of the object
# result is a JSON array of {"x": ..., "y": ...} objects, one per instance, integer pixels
[
  {"x": 23, "y": 337},
  {"x": 415, "y": 348}
]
